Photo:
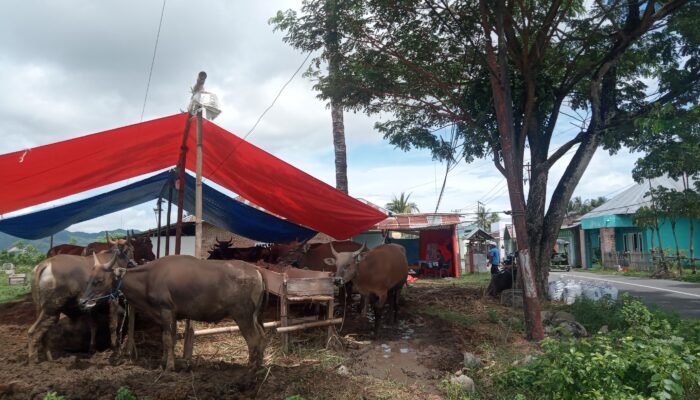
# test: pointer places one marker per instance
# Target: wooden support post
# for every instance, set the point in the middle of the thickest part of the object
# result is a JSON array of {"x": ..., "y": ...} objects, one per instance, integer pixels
[
  {"x": 471, "y": 257},
  {"x": 167, "y": 222},
  {"x": 331, "y": 328},
  {"x": 181, "y": 187},
  {"x": 189, "y": 340},
  {"x": 51, "y": 243},
  {"x": 131, "y": 341},
  {"x": 283, "y": 313},
  {"x": 159, "y": 208},
  {"x": 198, "y": 190}
]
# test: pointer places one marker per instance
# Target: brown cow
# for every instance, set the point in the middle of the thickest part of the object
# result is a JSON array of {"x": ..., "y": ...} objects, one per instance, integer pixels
[
  {"x": 313, "y": 256},
  {"x": 65, "y": 249},
  {"x": 182, "y": 287},
  {"x": 379, "y": 273},
  {"x": 57, "y": 284},
  {"x": 143, "y": 248}
]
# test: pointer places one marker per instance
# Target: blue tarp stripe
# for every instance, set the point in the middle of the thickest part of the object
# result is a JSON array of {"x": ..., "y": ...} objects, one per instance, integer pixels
[{"x": 218, "y": 209}]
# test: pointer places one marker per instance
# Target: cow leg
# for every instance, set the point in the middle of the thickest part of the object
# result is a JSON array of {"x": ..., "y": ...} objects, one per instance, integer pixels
[
  {"x": 113, "y": 323},
  {"x": 93, "y": 333},
  {"x": 394, "y": 293},
  {"x": 377, "y": 307},
  {"x": 37, "y": 334},
  {"x": 254, "y": 335},
  {"x": 167, "y": 320}
]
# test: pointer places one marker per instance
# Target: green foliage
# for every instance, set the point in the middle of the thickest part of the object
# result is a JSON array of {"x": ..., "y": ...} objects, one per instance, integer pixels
[
  {"x": 401, "y": 204},
  {"x": 53, "y": 396},
  {"x": 295, "y": 397},
  {"x": 651, "y": 354},
  {"x": 493, "y": 316},
  {"x": 578, "y": 206},
  {"x": 484, "y": 218},
  {"x": 10, "y": 293},
  {"x": 453, "y": 391},
  {"x": 124, "y": 393},
  {"x": 451, "y": 316}
]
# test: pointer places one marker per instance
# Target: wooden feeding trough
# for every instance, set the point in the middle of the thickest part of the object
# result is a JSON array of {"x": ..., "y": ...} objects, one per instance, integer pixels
[{"x": 290, "y": 285}]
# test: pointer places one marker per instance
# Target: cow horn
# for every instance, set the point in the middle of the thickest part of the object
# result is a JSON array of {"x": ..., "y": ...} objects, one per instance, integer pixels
[
  {"x": 109, "y": 240},
  {"x": 358, "y": 252},
  {"x": 335, "y": 253}
]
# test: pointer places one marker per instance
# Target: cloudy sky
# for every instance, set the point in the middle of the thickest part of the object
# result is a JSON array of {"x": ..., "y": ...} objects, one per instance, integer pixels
[{"x": 72, "y": 68}]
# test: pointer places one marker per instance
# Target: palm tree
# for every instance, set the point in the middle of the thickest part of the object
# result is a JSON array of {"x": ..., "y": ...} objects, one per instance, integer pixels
[
  {"x": 401, "y": 205},
  {"x": 484, "y": 218}
]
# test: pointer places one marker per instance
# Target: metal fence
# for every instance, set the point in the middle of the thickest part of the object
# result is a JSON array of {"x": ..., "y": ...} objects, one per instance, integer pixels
[{"x": 636, "y": 261}]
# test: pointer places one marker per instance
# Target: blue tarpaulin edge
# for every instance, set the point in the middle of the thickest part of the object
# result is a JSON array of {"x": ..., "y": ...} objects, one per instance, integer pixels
[{"x": 218, "y": 209}]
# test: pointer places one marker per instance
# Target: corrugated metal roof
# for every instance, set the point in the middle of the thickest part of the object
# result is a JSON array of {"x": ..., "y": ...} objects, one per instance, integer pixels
[
  {"x": 632, "y": 199},
  {"x": 417, "y": 221}
]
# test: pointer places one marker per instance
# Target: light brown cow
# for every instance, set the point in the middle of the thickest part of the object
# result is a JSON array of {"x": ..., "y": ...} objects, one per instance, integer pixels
[
  {"x": 182, "y": 287},
  {"x": 65, "y": 249},
  {"x": 57, "y": 284},
  {"x": 379, "y": 273}
]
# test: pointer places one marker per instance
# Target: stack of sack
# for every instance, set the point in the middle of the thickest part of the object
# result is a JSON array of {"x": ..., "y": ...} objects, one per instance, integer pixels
[{"x": 569, "y": 290}]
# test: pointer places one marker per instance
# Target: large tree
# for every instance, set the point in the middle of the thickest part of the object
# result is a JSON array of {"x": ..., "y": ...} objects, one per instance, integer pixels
[
  {"x": 320, "y": 28},
  {"x": 504, "y": 72}
]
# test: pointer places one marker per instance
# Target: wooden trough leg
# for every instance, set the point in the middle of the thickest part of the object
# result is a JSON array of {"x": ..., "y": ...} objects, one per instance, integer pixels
[
  {"x": 189, "y": 341},
  {"x": 130, "y": 340},
  {"x": 284, "y": 322},
  {"x": 331, "y": 328}
]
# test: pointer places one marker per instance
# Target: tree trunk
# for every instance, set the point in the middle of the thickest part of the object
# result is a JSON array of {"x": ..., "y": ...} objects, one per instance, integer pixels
[
  {"x": 332, "y": 44},
  {"x": 692, "y": 244},
  {"x": 341, "y": 163},
  {"x": 678, "y": 252}
]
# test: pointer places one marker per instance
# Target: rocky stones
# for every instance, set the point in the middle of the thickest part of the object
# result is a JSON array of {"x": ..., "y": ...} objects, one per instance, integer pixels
[
  {"x": 471, "y": 361},
  {"x": 464, "y": 382},
  {"x": 343, "y": 371},
  {"x": 562, "y": 323},
  {"x": 525, "y": 361}
]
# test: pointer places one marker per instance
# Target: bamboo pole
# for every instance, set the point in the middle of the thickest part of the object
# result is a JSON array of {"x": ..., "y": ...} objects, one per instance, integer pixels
[
  {"x": 234, "y": 328},
  {"x": 283, "y": 313},
  {"x": 198, "y": 190},
  {"x": 326, "y": 322},
  {"x": 159, "y": 207}
]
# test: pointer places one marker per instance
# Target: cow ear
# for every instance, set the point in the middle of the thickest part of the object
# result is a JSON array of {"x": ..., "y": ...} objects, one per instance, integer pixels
[
  {"x": 119, "y": 272},
  {"x": 329, "y": 261}
]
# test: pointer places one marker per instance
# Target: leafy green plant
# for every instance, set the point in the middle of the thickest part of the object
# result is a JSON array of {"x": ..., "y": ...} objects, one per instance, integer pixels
[
  {"x": 493, "y": 315},
  {"x": 124, "y": 393},
  {"x": 648, "y": 356},
  {"x": 53, "y": 396}
]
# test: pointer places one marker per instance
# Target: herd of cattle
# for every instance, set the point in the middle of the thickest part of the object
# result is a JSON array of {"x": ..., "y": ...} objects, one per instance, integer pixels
[{"x": 77, "y": 281}]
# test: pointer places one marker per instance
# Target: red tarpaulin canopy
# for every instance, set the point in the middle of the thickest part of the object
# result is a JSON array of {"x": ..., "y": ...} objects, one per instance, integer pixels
[{"x": 49, "y": 172}]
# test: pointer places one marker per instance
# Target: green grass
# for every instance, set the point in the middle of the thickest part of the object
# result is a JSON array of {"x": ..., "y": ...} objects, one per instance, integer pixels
[
  {"x": 448, "y": 315},
  {"x": 14, "y": 292},
  {"x": 477, "y": 279},
  {"x": 689, "y": 277}
]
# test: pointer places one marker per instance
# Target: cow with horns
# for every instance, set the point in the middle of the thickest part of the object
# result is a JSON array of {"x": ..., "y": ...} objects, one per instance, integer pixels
[
  {"x": 183, "y": 287},
  {"x": 143, "y": 248},
  {"x": 57, "y": 284},
  {"x": 223, "y": 250},
  {"x": 379, "y": 273}
]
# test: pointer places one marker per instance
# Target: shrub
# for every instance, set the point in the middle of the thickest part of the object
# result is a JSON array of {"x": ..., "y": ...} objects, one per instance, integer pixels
[
  {"x": 124, "y": 393},
  {"x": 648, "y": 357}
]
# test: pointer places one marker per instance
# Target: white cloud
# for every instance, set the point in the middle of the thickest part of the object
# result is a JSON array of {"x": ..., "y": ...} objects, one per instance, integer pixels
[{"x": 77, "y": 67}]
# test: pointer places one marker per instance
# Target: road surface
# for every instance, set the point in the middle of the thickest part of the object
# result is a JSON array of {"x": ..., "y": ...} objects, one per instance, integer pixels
[{"x": 681, "y": 297}]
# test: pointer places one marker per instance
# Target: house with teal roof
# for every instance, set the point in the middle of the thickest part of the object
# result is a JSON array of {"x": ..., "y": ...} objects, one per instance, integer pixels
[{"x": 610, "y": 236}]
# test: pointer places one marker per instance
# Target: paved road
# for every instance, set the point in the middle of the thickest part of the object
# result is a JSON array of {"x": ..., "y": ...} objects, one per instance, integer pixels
[{"x": 681, "y": 297}]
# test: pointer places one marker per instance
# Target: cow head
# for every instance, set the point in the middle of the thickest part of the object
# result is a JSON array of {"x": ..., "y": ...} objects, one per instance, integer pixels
[
  {"x": 143, "y": 248},
  {"x": 347, "y": 263},
  {"x": 105, "y": 276}
]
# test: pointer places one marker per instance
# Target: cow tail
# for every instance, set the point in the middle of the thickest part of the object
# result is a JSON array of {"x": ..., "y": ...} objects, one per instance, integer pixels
[
  {"x": 36, "y": 275},
  {"x": 265, "y": 298}
]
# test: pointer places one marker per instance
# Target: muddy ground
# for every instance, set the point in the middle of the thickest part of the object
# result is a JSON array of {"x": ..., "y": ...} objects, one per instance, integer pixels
[{"x": 438, "y": 321}]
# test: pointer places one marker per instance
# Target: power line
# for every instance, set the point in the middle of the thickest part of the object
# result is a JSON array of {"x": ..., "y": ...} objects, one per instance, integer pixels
[
  {"x": 263, "y": 113},
  {"x": 153, "y": 60}
]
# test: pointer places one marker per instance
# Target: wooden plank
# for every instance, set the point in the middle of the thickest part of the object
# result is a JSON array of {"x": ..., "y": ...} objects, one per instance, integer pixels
[
  {"x": 17, "y": 279},
  {"x": 188, "y": 346},
  {"x": 273, "y": 281},
  {"x": 310, "y": 287},
  {"x": 326, "y": 322},
  {"x": 283, "y": 314},
  {"x": 233, "y": 328},
  {"x": 310, "y": 298},
  {"x": 331, "y": 328}
]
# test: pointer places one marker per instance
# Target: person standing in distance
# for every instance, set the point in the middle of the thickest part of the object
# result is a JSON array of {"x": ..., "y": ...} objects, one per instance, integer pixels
[{"x": 494, "y": 257}]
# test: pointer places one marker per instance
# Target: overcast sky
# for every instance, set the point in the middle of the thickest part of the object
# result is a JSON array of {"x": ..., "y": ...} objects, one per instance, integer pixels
[{"x": 71, "y": 68}]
